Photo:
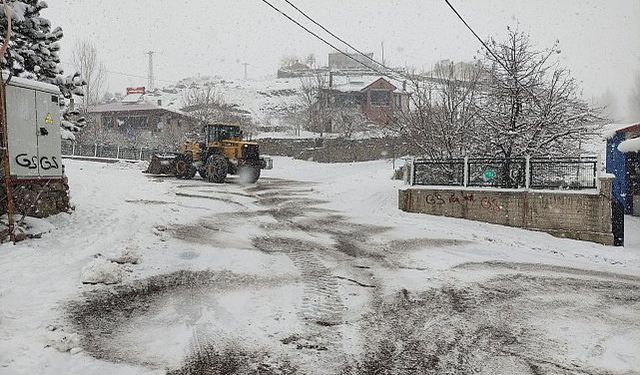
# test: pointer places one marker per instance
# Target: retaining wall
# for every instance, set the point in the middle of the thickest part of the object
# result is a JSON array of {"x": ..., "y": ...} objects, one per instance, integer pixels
[
  {"x": 39, "y": 198},
  {"x": 338, "y": 150},
  {"x": 578, "y": 215}
]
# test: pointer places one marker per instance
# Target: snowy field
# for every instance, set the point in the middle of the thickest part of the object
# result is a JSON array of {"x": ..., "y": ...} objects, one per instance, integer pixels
[{"x": 313, "y": 270}]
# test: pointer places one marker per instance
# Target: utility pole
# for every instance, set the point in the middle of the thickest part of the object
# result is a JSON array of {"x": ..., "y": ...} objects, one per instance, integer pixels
[
  {"x": 382, "y": 48},
  {"x": 245, "y": 70},
  {"x": 8, "y": 183},
  {"x": 150, "y": 82}
]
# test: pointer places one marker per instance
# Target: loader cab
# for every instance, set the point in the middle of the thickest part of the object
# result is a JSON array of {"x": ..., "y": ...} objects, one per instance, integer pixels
[{"x": 222, "y": 132}]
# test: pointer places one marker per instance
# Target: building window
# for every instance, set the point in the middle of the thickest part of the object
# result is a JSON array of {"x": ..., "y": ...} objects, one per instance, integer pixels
[
  {"x": 108, "y": 122},
  {"x": 380, "y": 98},
  {"x": 133, "y": 122}
]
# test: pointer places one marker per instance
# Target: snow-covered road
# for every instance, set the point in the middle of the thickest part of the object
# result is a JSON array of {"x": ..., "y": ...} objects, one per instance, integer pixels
[{"x": 312, "y": 270}]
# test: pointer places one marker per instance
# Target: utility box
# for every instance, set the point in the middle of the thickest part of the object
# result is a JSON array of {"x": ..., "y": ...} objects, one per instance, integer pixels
[{"x": 33, "y": 129}]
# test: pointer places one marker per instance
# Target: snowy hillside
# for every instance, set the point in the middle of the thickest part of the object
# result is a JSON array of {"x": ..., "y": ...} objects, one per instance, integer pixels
[{"x": 267, "y": 100}]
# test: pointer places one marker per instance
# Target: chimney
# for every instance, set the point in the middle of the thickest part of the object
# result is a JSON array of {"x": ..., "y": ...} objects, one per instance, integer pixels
[
  {"x": 330, "y": 79},
  {"x": 404, "y": 85}
]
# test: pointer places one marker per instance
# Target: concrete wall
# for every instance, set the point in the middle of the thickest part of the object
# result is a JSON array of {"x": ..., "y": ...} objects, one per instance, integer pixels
[
  {"x": 334, "y": 150},
  {"x": 582, "y": 216}
]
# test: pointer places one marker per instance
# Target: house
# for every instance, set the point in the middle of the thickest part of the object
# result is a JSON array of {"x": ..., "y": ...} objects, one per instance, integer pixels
[
  {"x": 297, "y": 69},
  {"x": 139, "y": 112},
  {"x": 378, "y": 98}
]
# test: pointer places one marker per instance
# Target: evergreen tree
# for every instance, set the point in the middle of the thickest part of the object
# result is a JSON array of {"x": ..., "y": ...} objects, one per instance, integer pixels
[{"x": 34, "y": 53}]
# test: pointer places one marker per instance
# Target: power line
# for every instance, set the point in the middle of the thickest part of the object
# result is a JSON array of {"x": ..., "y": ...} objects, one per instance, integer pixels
[
  {"x": 324, "y": 40},
  {"x": 344, "y": 41},
  {"x": 127, "y": 74},
  {"x": 478, "y": 37},
  {"x": 512, "y": 74}
]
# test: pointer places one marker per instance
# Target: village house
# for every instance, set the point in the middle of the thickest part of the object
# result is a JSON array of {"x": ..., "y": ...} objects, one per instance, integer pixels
[
  {"x": 297, "y": 69},
  {"x": 377, "y": 98},
  {"x": 138, "y": 112}
]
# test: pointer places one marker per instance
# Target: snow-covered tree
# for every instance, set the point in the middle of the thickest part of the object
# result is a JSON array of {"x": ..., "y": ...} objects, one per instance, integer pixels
[
  {"x": 34, "y": 53},
  {"x": 442, "y": 118},
  {"x": 530, "y": 105}
]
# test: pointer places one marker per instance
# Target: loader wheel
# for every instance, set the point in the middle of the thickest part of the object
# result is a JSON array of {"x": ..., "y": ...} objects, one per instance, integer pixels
[
  {"x": 217, "y": 168},
  {"x": 183, "y": 167},
  {"x": 249, "y": 174}
]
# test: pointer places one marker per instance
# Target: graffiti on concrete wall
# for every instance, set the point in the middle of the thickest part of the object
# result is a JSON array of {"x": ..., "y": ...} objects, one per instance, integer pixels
[{"x": 464, "y": 199}]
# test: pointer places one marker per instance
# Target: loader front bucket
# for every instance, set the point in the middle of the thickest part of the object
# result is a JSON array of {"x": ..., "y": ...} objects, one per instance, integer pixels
[{"x": 162, "y": 164}]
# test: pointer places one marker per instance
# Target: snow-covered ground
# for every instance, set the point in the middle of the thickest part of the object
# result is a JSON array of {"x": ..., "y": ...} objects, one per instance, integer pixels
[{"x": 314, "y": 269}]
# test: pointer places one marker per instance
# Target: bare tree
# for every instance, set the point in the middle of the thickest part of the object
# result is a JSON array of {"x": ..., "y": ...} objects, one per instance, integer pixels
[
  {"x": 530, "y": 105},
  {"x": 316, "y": 114},
  {"x": 442, "y": 116},
  {"x": 348, "y": 120},
  {"x": 204, "y": 103},
  {"x": 207, "y": 105},
  {"x": 86, "y": 61}
]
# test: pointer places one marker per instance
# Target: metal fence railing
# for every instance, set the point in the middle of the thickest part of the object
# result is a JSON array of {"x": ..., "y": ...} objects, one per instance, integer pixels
[
  {"x": 516, "y": 173},
  {"x": 440, "y": 172},
  {"x": 506, "y": 173},
  {"x": 564, "y": 173},
  {"x": 70, "y": 148}
]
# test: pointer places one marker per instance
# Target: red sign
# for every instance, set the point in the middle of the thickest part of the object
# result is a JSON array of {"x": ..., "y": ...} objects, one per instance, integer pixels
[{"x": 135, "y": 90}]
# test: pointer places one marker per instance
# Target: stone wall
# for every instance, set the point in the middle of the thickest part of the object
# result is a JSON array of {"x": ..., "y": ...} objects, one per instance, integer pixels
[
  {"x": 39, "y": 198},
  {"x": 578, "y": 215},
  {"x": 337, "y": 150}
]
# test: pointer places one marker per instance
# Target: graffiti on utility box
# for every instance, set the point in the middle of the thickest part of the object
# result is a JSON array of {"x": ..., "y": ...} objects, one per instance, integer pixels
[
  {"x": 464, "y": 199},
  {"x": 33, "y": 129}
]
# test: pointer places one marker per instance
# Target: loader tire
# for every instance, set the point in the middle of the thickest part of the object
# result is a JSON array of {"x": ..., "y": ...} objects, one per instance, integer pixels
[
  {"x": 183, "y": 167},
  {"x": 249, "y": 174},
  {"x": 217, "y": 168}
]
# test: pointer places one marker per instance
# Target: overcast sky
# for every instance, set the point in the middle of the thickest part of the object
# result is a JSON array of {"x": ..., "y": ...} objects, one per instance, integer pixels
[{"x": 600, "y": 40}]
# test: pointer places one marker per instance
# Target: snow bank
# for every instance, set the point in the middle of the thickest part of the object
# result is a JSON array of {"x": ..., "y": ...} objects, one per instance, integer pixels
[
  {"x": 130, "y": 255},
  {"x": 102, "y": 271},
  {"x": 630, "y": 145},
  {"x": 62, "y": 341}
]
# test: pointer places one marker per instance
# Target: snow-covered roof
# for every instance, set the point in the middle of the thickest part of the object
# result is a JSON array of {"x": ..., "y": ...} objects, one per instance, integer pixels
[
  {"x": 30, "y": 84},
  {"x": 142, "y": 102},
  {"x": 354, "y": 84},
  {"x": 630, "y": 145},
  {"x": 611, "y": 130},
  {"x": 133, "y": 98}
]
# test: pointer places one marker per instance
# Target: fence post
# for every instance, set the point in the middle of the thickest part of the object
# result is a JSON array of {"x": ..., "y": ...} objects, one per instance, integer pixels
[
  {"x": 465, "y": 183},
  {"x": 118, "y": 153},
  {"x": 140, "y": 155},
  {"x": 599, "y": 168},
  {"x": 527, "y": 172},
  {"x": 73, "y": 149},
  {"x": 95, "y": 150},
  {"x": 412, "y": 172}
]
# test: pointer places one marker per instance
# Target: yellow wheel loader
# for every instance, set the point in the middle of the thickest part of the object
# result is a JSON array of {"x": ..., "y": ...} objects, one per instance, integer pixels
[{"x": 222, "y": 152}]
